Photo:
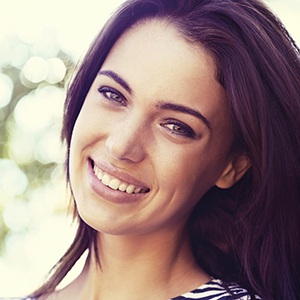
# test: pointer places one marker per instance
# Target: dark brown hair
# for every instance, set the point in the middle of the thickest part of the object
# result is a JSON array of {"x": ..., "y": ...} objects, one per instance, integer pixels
[{"x": 250, "y": 233}]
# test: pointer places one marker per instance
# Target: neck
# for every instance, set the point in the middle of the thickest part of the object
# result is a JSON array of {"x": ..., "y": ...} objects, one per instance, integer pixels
[{"x": 151, "y": 266}]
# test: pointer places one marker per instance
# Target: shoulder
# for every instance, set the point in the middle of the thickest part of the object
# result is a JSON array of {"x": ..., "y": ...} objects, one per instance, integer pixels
[{"x": 218, "y": 290}]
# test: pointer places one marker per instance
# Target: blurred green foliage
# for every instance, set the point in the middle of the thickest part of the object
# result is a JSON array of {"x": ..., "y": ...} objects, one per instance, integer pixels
[{"x": 38, "y": 71}]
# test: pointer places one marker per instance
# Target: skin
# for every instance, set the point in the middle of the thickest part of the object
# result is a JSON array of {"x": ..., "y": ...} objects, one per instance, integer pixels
[{"x": 134, "y": 130}]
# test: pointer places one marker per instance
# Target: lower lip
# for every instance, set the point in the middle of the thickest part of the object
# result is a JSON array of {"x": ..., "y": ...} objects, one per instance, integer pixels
[{"x": 109, "y": 194}]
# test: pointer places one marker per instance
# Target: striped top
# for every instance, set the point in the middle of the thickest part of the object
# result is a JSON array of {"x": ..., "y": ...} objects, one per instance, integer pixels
[{"x": 217, "y": 290}]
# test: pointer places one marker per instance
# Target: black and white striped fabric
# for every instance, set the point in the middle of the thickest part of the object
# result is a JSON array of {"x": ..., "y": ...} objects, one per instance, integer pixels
[{"x": 217, "y": 290}]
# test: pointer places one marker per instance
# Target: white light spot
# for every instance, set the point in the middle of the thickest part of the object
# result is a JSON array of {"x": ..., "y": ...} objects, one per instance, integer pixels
[
  {"x": 6, "y": 89},
  {"x": 57, "y": 70},
  {"x": 31, "y": 114},
  {"x": 49, "y": 149},
  {"x": 35, "y": 69},
  {"x": 13, "y": 181},
  {"x": 16, "y": 215},
  {"x": 19, "y": 56},
  {"x": 21, "y": 147}
]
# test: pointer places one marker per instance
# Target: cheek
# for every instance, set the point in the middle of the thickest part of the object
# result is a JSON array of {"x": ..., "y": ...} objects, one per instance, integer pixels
[
  {"x": 74, "y": 156},
  {"x": 191, "y": 173},
  {"x": 86, "y": 128},
  {"x": 76, "y": 142},
  {"x": 81, "y": 138}
]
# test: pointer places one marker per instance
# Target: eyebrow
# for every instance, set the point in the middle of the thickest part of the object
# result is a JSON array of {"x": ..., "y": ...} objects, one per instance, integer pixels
[
  {"x": 117, "y": 79},
  {"x": 184, "y": 109},
  {"x": 161, "y": 104}
]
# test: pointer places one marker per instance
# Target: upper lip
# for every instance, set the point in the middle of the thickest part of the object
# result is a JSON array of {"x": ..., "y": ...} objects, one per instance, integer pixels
[{"x": 118, "y": 173}]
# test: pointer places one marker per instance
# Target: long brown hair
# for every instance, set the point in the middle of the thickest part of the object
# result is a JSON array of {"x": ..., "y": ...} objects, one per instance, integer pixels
[{"x": 250, "y": 233}]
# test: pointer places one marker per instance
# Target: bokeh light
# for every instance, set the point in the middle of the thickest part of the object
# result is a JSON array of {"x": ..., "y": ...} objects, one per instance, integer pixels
[
  {"x": 31, "y": 114},
  {"x": 13, "y": 181},
  {"x": 19, "y": 55},
  {"x": 35, "y": 69},
  {"x": 56, "y": 70},
  {"x": 16, "y": 215},
  {"x": 6, "y": 89},
  {"x": 21, "y": 147}
]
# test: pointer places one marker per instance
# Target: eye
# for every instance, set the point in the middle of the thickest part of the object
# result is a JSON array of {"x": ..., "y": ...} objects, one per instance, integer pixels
[
  {"x": 112, "y": 95},
  {"x": 178, "y": 128}
]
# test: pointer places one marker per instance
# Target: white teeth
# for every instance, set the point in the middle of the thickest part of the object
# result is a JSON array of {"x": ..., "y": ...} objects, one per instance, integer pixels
[
  {"x": 106, "y": 179},
  {"x": 130, "y": 189},
  {"x": 116, "y": 184},
  {"x": 123, "y": 187},
  {"x": 98, "y": 173},
  {"x": 137, "y": 190}
]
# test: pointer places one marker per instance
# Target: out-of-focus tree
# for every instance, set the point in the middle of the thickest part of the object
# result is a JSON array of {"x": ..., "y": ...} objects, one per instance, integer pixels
[{"x": 32, "y": 91}]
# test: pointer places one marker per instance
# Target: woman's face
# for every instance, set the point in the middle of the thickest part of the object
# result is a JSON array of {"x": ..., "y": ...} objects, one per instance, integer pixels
[{"x": 153, "y": 134}]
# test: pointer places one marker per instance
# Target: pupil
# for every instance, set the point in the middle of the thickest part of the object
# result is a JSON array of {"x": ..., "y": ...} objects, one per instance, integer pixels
[{"x": 177, "y": 128}]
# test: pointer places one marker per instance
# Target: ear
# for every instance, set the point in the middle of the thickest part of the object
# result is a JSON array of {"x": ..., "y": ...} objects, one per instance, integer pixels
[{"x": 234, "y": 171}]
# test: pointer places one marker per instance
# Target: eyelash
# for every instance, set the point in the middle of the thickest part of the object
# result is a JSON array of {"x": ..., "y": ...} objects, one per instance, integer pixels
[
  {"x": 107, "y": 92},
  {"x": 184, "y": 130}
]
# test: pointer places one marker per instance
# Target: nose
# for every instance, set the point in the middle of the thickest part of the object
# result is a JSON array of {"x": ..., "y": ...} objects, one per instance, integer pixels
[{"x": 126, "y": 140}]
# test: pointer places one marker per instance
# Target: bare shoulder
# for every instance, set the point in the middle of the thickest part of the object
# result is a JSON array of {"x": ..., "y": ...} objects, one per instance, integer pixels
[
  {"x": 71, "y": 291},
  {"x": 52, "y": 296},
  {"x": 57, "y": 295}
]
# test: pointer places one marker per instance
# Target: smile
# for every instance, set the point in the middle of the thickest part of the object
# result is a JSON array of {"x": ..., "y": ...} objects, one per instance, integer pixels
[{"x": 117, "y": 184}]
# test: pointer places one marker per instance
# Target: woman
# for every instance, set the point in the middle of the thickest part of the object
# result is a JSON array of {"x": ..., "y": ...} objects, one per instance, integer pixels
[{"x": 182, "y": 126}]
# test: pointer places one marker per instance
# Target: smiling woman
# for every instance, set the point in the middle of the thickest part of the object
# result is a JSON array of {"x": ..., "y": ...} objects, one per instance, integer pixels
[{"x": 182, "y": 126}]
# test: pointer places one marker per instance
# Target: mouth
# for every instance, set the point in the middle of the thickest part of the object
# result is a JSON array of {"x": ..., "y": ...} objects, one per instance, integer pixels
[{"x": 117, "y": 184}]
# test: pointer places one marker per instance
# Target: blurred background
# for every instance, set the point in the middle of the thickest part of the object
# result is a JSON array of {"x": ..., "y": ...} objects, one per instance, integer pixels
[{"x": 40, "y": 44}]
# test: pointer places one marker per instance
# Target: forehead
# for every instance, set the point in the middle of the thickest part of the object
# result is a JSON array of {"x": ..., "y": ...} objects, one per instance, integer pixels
[
  {"x": 156, "y": 47},
  {"x": 158, "y": 36}
]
